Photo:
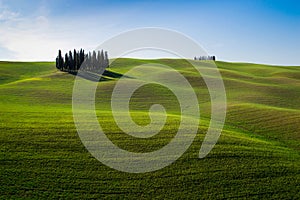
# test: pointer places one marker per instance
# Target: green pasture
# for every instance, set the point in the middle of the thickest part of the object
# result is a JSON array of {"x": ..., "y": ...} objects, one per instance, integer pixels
[{"x": 256, "y": 157}]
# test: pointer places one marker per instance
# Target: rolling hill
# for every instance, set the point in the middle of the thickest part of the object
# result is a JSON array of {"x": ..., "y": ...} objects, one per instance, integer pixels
[{"x": 257, "y": 155}]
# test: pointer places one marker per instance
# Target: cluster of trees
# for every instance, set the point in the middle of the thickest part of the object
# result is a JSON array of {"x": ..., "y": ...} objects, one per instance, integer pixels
[
  {"x": 71, "y": 62},
  {"x": 205, "y": 58}
]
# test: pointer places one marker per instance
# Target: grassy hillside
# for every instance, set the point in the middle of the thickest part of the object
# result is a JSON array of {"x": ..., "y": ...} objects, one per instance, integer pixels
[{"x": 257, "y": 155}]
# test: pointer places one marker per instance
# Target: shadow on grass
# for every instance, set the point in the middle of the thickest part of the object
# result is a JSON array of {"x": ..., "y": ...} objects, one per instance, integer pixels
[{"x": 97, "y": 77}]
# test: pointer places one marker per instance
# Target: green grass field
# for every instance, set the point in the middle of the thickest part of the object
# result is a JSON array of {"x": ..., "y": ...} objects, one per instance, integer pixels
[{"x": 257, "y": 155}]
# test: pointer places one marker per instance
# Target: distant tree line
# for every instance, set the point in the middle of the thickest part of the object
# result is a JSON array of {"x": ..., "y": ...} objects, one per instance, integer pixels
[
  {"x": 205, "y": 58},
  {"x": 93, "y": 61}
]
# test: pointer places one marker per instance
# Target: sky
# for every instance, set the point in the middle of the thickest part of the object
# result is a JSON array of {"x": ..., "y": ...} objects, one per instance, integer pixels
[{"x": 259, "y": 31}]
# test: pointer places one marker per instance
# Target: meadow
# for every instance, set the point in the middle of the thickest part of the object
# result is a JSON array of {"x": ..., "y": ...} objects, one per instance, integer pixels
[{"x": 257, "y": 155}]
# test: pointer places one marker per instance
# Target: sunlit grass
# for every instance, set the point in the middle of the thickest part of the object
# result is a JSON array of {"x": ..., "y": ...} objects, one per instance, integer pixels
[{"x": 257, "y": 155}]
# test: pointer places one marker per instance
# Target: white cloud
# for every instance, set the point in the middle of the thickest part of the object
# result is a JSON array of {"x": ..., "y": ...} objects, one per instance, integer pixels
[
  {"x": 6, "y": 14},
  {"x": 35, "y": 38},
  {"x": 39, "y": 36}
]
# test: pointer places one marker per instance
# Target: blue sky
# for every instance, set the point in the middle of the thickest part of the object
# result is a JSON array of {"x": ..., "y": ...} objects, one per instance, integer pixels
[{"x": 261, "y": 31}]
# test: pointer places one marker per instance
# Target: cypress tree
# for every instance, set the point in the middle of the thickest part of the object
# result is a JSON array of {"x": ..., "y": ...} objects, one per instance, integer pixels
[
  {"x": 75, "y": 61},
  {"x": 89, "y": 58},
  {"x": 82, "y": 56},
  {"x": 60, "y": 60},
  {"x": 71, "y": 61},
  {"x": 56, "y": 63},
  {"x": 106, "y": 60},
  {"x": 66, "y": 62},
  {"x": 94, "y": 61}
]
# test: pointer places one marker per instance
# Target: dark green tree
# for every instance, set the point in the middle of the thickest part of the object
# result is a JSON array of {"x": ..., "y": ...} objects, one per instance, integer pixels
[
  {"x": 66, "y": 62},
  {"x": 60, "y": 61},
  {"x": 106, "y": 60}
]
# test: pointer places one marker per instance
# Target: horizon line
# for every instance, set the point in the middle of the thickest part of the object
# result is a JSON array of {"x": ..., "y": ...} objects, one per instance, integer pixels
[{"x": 161, "y": 58}]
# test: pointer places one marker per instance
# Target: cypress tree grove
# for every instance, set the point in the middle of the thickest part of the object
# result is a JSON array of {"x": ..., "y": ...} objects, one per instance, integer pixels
[
  {"x": 205, "y": 58},
  {"x": 95, "y": 62}
]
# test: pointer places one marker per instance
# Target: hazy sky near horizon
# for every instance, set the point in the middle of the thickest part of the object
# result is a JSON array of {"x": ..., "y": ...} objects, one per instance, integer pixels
[{"x": 260, "y": 31}]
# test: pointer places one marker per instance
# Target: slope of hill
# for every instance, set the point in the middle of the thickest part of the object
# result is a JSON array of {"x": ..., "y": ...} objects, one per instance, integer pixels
[{"x": 257, "y": 156}]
